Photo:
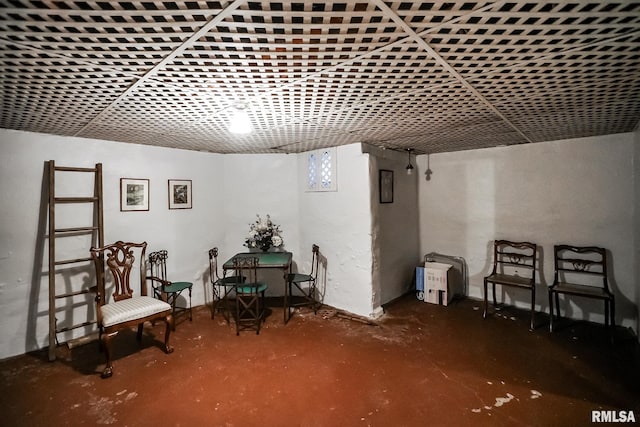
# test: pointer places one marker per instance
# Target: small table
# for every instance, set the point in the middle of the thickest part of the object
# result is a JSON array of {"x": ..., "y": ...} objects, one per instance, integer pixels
[{"x": 280, "y": 260}]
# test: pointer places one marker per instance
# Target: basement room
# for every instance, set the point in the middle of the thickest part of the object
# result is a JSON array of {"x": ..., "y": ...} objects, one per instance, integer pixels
[{"x": 338, "y": 213}]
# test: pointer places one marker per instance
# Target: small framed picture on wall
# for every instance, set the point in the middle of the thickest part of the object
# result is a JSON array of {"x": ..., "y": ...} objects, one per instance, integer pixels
[
  {"x": 386, "y": 186},
  {"x": 180, "y": 194},
  {"x": 134, "y": 194}
]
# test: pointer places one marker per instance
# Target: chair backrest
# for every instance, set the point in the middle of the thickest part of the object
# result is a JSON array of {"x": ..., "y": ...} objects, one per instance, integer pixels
[
  {"x": 158, "y": 264},
  {"x": 246, "y": 267},
  {"x": 583, "y": 265},
  {"x": 315, "y": 258},
  {"x": 120, "y": 259},
  {"x": 515, "y": 258}
]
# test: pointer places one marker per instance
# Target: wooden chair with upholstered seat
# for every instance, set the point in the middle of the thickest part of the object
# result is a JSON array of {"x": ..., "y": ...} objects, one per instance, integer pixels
[
  {"x": 165, "y": 289},
  {"x": 581, "y": 271},
  {"x": 514, "y": 265},
  {"x": 126, "y": 308}
]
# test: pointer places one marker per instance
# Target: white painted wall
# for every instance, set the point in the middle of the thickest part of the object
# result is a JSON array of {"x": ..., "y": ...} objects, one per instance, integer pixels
[
  {"x": 186, "y": 234},
  {"x": 228, "y": 191},
  {"x": 577, "y": 191},
  {"x": 340, "y": 223},
  {"x": 261, "y": 184},
  {"x": 394, "y": 227}
]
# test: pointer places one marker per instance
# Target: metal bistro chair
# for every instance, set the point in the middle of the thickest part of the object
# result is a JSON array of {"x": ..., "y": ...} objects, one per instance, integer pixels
[
  {"x": 297, "y": 280},
  {"x": 222, "y": 287},
  {"x": 581, "y": 271},
  {"x": 165, "y": 289},
  {"x": 514, "y": 264},
  {"x": 250, "y": 310},
  {"x": 127, "y": 307}
]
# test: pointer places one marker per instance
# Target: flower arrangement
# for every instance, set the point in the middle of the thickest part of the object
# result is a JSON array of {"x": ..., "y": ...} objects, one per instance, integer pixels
[{"x": 263, "y": 234}]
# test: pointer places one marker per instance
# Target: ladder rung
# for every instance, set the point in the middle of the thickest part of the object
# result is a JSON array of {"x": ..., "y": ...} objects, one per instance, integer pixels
[
  {"x": 73, "y": 261},
  {"x": 77, "y": 342},
  {"x": 79, "y": 325},
  {"x": 75, "y": 199},
  {"x": 75, "y": 229},
  {"x": 71, "y": 169},
  {"x": 71, "y": 294}
]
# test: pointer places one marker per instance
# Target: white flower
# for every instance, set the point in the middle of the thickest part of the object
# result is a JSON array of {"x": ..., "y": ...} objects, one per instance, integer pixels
[{"x": 263, "y": 233}]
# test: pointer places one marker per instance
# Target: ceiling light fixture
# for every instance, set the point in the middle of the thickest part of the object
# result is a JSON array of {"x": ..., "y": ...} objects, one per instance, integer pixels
[
  {"x": 409, "y": 166},
  {"x": 240, "y": 122}
]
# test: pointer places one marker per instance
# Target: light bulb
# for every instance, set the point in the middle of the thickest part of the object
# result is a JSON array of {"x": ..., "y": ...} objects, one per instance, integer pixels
[{"x": 240, "y": 122}]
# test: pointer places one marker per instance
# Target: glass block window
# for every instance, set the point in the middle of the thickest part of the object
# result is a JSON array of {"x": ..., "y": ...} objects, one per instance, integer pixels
[
  {"x": 321, "y": 170},
  {"x": 312, "y": 172}
]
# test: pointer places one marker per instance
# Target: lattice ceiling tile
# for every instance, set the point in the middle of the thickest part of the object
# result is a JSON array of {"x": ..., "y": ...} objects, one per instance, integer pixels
[{"x": 432, "y": 76}]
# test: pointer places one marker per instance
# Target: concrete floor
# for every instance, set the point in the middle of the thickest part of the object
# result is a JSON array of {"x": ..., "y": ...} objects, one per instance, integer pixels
[{"x": 421, "y": 365}]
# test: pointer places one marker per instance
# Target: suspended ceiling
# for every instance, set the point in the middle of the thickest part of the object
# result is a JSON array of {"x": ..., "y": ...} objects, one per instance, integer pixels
[{"x": 431, "y": 76}]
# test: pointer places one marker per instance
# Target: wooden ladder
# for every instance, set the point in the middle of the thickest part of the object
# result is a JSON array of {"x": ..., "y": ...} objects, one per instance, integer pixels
[{"x": 95, "y": 230}]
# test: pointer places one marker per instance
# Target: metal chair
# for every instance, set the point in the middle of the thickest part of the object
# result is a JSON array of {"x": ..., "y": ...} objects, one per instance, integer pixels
[
  {"x": 127, "y": 308},
  {"x": 222, "y": 287},
  {"x": 250, "y": 309},
  {"x": 581, "y": 271},
  {"x": 297, "y": 280},
  {"x": 514, "y": 264},
  {"x": 165, "y": 289}
]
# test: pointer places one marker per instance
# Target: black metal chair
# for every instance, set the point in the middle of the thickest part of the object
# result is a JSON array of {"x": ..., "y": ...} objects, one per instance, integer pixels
[
  {"x": 222, "y": 287},
  {"x": 308, "y": 295},
  {"x": 581, "y": 271},
  {"x": 165, "y": 289},
  {"x": 250, "y": 307},
  {"x": 514, "y": 264}
]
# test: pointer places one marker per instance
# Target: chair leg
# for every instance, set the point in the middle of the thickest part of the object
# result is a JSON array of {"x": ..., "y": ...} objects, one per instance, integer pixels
[
  {"x": 216, "y": 298},
  {"x": 613, "y": 312},
  {"x": 486, "y": 300},
  {"x": 312, "y": 296},
  {"x": 190, "y": 306},
  {"x": 169, "y": 325},
  {"x": 173, "y": 311},
  {"x": 495, "y": 302},
  {"x": 106, "y": 345},
  {"x": 139, "y": 334},
  {"x": 533, "y": 307},
  {"x": 550, "y": 311},
  {"x": 238, "y": 302},
  {"x": 287, "y": 297}
]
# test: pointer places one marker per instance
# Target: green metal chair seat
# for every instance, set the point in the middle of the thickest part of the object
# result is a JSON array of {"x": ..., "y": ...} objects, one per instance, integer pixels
[
  {"x": 229, "y": 280},
  {"x": 177, "y": 287},
  {"x": 298, "y": 277},
  {"x": 248, "y": 288}
]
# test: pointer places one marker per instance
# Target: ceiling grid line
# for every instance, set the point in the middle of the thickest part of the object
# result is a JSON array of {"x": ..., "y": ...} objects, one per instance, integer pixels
[{"x": 153, "y": 71}]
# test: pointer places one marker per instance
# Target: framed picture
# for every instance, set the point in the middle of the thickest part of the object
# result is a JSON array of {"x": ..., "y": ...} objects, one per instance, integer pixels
[
  {"x": 134, "y": 194},
  {"x": 386, "y": 186},
  {"x": 179, "y": 194}
]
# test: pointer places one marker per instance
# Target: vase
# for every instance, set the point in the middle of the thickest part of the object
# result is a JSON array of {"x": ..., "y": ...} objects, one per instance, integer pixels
[{"x": 265, "y": 247}]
